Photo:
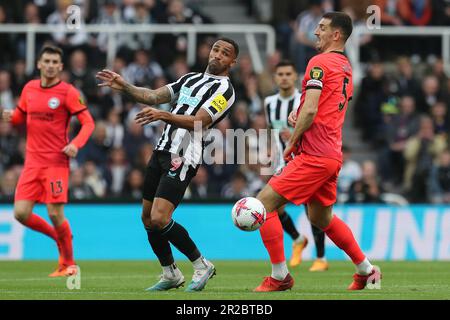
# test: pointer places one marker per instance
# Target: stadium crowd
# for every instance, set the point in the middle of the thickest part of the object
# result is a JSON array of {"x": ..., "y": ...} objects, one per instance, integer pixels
[{"x": 401, "y": 107}]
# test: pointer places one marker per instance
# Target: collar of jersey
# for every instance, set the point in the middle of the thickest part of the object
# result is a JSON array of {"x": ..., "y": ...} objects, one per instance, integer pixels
[
  {"x": 214, "y": 76},
  {"x": 53, "y": 85}
]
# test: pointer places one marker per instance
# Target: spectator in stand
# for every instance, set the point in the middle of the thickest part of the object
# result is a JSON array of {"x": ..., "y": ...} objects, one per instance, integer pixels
[
  {"x": 266, "y": 83},
  {"x": 406, "y": 83},
  {"x": 79, "y": 189},
  {"x": 240, "y": 74},
  {"x": 202, "y": 57},
  {"x": 252, "y": 96},
  {"x": 439, "y": 114},
  {"x": 6, "y": 95},
  {"x": 237, "y": 187},
  {"x": 368, "y": 189},
  {"x": 144, "y": 155},
  {"x": 133, "y": 185},
  {"x": 142, "y": 16},
  {"x": 67, "y": 41},
  {"x": 305, "y": 39},
  {"x": 19, "y": 77},
  {"x": 438, "y": 70},
  {"x": 178, "y": 69},
  {"x": 30, "y": 16},
  {"x": 114, "y": 129},
  {"x": 134, "y": 139},
  {"x": 94, "y": 179},
  {"x": 8, "y": 144},
  {"x": 109, "y": 14},
  {"x": 284, "y": 14},
  {"x": 350, "y": 171},
  {"x": 389, "y": 12},
  {"x": 240, "y": 116},
  {"x": 169, "y": 46},
  {"x": 421, "y": 151},
  {"x": 199, "y": 187},
  {"x": 439, "y": 180},
  {"x": 220, "y": 172},
  {"x": 96, "y": 149},
  {"x": 373, "y": 92},
  {"x": 429, "y": 95},
  {"x": 82, "y": 76},
  {"x": 116, "y": 172},
  {"x": 142, "y": 72},
  {"x": 398, "y": 129}
]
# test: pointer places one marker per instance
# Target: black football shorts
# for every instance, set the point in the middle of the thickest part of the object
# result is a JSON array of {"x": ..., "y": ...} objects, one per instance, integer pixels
[{"x": 167, "y": 177}]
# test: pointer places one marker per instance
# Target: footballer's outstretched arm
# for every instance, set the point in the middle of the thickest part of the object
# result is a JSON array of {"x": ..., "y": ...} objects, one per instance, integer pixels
[
  {"x": 142, "y": 95},
  {"x": 149, "y": 114}
]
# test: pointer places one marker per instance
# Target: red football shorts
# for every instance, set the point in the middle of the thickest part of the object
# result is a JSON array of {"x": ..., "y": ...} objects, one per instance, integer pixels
[
  {"x": 308, "y": 178},
  {"x": 44, "y": 185}
]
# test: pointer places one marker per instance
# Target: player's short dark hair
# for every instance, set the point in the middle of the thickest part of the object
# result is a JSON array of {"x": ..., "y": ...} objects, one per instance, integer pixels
[
  {"x": 52, "y": 50},
  {"x": 285, "y": 63},
  {"x": 233, "y": 43},
  {"x": 342, "y": 21}
]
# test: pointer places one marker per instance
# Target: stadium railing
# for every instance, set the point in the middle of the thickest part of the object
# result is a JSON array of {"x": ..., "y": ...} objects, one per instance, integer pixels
[
  {"x": 248, "y": 30},
  {"x": 353, "y": 48}
]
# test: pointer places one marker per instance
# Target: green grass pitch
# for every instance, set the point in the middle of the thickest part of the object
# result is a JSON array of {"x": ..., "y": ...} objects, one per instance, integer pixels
[{"x": 234, "y": 281}]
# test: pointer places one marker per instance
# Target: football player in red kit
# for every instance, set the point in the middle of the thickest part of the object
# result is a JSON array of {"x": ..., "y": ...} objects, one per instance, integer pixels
[
  {"x": 315, "y": 157},
  {"x": 46, "y": 106}
]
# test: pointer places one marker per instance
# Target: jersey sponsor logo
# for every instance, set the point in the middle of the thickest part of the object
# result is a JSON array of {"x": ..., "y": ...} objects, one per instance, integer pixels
[
  {"x": 176, "y": 163},
  {"x": 185, "y": 97},
  {"x": 53, "y": 103},
  {"x": 81, "y": 100},
  {"x": 219, "y": 103},
  {"x": 316, "y": 73}
]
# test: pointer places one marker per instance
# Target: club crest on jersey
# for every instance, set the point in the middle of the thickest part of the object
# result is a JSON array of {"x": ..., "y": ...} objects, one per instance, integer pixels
[
  {"x": 53, "y": 103},
  {"x": 176, "y": 163},
  {"x": 316, "y": 73}
]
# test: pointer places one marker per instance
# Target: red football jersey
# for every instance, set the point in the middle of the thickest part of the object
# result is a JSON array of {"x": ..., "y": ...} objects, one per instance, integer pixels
[
  {"x": 330, "y": 72},
  {"x": 48, "y": 111}
]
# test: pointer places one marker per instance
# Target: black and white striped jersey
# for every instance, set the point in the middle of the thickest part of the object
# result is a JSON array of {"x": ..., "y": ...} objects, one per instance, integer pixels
[
  {"x": 191, "y": 92},
  {"x": 277, "y": 110}
]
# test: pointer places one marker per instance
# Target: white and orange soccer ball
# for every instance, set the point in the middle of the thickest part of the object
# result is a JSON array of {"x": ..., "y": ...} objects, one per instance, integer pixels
[{"x": 248, "y": 214}]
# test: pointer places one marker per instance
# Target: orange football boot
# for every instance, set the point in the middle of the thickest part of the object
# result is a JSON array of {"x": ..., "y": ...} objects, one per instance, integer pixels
[{"x": 297, "y": 249}]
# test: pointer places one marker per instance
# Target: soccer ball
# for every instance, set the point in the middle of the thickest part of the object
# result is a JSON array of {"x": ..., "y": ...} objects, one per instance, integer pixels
[{"x": 248, "y": 214}]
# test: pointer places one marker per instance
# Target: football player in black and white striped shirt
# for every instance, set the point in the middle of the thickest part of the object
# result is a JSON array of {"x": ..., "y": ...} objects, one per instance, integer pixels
[
  {"x": 196, "y": 98},
  {"x": 277, "y": 109}
]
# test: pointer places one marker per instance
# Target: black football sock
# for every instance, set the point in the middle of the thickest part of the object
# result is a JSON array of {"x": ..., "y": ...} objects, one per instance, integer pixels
[
  {"x": 179, "y": 237},
  {"x": 160, "y": 246},
  {"x": 319, "y": 240},
  {"x": 288, "y": 225}
]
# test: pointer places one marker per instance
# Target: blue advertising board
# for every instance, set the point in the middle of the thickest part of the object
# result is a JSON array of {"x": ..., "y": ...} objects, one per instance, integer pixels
[{"x": 115, "y": 231}]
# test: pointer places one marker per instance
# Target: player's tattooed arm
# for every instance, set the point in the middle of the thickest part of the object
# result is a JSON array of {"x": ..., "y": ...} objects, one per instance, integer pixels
[
  {"x": 148, "y": 96},
  {"x": 139, "y": 94}
]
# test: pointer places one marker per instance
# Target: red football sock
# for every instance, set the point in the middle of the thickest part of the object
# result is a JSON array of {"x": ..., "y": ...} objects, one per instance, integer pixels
[
  {"x": 65, "y": 240},
  {"x": 272, "y": 235},
  {"x": 40, "y": 225},
  {"x": 343, "y": 237}
]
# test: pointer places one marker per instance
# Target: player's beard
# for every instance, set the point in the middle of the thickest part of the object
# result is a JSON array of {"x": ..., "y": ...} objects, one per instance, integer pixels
[{"x": 215, "y": 68}]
